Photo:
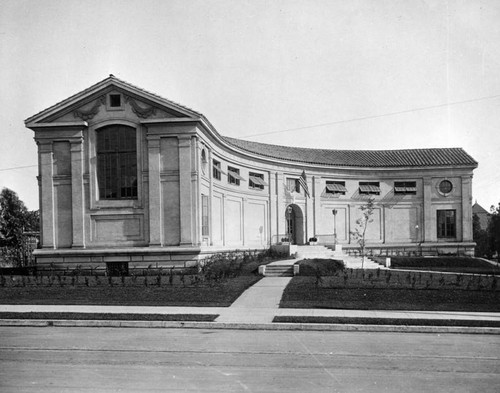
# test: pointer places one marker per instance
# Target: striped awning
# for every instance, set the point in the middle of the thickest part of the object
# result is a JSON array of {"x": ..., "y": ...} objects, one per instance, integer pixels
[
  {"x": 235, "y": 175},
  {"x": 405, "y": 189},
  {"x": 369, "y": 188},
  {"x": 336, "y": 188},
  {"x": 218, "y": 168},
  {"x": 257, "y": 180}
]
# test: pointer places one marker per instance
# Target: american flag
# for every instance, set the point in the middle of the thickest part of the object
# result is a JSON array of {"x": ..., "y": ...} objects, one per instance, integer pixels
[{"x": 303, "y": 183}]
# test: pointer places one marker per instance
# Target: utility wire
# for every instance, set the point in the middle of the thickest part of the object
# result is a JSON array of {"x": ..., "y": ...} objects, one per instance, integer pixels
[
  {"x": 333, "y": 122},
  {"x": 374, "y": 116}
]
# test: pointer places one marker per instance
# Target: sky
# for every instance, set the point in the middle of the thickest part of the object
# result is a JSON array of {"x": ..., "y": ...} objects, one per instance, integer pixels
[{"x": 328, "y": 74}]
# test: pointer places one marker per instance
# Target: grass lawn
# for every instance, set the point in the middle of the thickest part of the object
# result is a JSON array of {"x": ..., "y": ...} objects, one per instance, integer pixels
[
  {"x": 132, "y": 291},
  {"x": 393, "y": 290},
  {"x": 386, "y": 321},
  {"x": 109, "y": 316}
]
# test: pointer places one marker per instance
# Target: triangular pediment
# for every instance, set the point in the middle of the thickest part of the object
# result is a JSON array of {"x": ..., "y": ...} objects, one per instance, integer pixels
[{"x": 106, "y": 98}]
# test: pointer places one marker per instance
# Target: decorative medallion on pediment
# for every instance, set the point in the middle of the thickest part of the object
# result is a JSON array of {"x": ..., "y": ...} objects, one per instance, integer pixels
[
  {"x": 139, "y": 110},
  {"x": 87, "y": 114}
]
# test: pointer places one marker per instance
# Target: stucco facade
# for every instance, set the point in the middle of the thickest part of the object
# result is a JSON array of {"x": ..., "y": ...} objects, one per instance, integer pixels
[{"x": 176, "y": 189}]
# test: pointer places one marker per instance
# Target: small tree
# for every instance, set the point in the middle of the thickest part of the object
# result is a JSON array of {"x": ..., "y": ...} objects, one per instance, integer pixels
[
  {"x": 14, "y": 220},
  {"x": 359, "y": 233},
  {"x": 480, "y": 237},
  {"x": 494, "y": 230}
]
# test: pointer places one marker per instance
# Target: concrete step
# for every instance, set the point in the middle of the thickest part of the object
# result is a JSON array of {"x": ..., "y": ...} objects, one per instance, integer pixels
[{"x": 278, "y": 271}]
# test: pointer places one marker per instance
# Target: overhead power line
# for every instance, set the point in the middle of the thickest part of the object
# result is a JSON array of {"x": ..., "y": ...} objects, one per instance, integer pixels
[
  {"x": 18, "y": 167},
  {"x": 373, "y": 116}
]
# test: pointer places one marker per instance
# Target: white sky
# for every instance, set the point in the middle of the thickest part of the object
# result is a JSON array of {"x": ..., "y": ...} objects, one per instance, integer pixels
[{"x": 255, "y": 67}]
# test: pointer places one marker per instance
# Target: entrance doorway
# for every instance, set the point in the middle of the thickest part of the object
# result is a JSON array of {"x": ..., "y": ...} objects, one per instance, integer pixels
[{"x": 294, "y": 224}]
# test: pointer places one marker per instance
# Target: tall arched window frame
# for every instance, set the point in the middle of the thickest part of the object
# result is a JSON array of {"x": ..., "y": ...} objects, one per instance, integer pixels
[{"x": 116, "y": 151}]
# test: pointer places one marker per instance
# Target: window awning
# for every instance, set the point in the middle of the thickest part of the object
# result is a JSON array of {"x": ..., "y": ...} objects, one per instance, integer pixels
[
  {"x": 411, "y": 189},
  {"x": 218, "y": 168},
  {"x": 257, "y": 180},
  {"x": 235, "y": 175},
  {"x": 336, "y": 188},
  {"x": 369, "y": 188},
  {"x": 400, "y": 189}
]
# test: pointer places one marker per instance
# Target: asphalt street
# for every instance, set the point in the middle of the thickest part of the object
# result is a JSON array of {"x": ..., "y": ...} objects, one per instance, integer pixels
[{"x": 53, "y": 359}]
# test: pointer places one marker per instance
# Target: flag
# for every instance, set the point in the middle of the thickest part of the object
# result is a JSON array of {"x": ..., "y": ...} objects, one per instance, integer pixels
[{"x": 303, "y": 183}]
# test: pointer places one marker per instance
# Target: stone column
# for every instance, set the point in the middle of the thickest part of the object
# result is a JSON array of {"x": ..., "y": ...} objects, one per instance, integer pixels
[
  {"x": 185, "y": 189},
  {"x": 46, "y": 168},
  {"x": 467, "y": 209},
  {"x": 429, "y": 223},
  {"x": 77, "y": 193},
  {"x": 155, "y": 200}
]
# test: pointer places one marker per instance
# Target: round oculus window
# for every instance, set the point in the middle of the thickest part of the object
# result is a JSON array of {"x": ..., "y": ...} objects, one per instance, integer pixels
[{"x": 445, "y": 187}]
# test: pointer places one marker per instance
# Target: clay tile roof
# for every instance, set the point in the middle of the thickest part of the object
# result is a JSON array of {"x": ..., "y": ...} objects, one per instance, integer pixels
[{"x": 359, "y": 158}]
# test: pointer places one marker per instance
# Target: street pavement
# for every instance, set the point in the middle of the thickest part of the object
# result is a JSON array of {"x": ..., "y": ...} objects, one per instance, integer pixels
[{"x": 201, "y": 360}]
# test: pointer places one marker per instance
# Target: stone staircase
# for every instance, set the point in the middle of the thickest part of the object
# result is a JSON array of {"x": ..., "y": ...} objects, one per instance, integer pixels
[
  {"x": 285, "y": 268},
  {"x": 278, "y": 270},
  {"x": 351, "y": 262}
]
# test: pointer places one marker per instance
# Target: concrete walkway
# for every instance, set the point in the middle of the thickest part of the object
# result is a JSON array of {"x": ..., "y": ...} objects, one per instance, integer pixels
[{"x": 258, "y": 304}]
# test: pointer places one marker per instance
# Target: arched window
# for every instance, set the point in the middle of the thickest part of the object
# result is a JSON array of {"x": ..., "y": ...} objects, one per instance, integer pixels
[{"x": 117, "y": 162}]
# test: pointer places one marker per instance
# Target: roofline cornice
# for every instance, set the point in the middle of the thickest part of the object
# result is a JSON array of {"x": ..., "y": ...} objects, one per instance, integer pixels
[{"x": 62, "y": 124}]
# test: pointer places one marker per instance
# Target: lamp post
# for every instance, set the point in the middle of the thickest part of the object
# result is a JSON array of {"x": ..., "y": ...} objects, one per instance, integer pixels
[{"x": 334, "y": 212}]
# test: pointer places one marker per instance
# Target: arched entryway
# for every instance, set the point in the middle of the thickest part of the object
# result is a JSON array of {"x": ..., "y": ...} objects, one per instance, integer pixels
[{"x": 294, "y": 224}]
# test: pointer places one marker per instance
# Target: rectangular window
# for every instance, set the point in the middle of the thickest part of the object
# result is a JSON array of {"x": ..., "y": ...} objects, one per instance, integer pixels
[
  {"x": 256, "y": 181},
  {"x": 216, "y": 169},
  {"x": 405, "y": 187},
  {"x": 233, "y": 176},
  {"x": 369, "y": 187},
  {"x": 335, "y": 187},
  {"x": 446, "y": 224},
  {"x": 293, "y": 185},
  {"x": 117, "y": 162},
  {"x": 204, "y": 216}
]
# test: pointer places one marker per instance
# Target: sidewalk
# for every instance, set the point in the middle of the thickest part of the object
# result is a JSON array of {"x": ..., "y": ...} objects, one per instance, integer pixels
[{"x": 256, "y": 309}]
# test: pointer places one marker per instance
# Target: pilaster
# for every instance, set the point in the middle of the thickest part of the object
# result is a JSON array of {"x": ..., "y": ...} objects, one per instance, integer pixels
[
  {"x": 467, "y": 208},
  {"x": 429, "y": 222},
  {"x": 46, "y": 169},
  {"x": 280, "y": 207},
  {"x": 155, "y": 200},
  {"x": 273, "y": 208},
  {"x": 77, "y": 193},
  {"x": 185, "y": 186}
]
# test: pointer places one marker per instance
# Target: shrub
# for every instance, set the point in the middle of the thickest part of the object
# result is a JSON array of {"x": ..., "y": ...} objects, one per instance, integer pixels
[{"x": 324, "y": 267}]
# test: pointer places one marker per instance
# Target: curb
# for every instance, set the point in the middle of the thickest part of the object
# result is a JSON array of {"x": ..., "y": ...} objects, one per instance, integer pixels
[{"x": 248, "y": 326}]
